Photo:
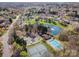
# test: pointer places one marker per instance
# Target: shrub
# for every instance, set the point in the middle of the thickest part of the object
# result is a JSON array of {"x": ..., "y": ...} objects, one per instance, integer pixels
[
  {"x": 54, "y": 22},
  {"x": 23, "y": 54}
]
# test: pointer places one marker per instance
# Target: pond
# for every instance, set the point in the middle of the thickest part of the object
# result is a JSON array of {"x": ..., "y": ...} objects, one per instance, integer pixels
[{"x": 55, "y": 30}]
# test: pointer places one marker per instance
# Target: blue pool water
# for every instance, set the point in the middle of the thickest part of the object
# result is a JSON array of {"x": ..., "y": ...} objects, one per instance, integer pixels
[
  {"x": 55, "y": 44},
  {"x": 55, "y": 30}
]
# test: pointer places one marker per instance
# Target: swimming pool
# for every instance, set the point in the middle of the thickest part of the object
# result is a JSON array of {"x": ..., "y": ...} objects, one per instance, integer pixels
[
  {"x": 55, "y": 44},
  {"x": 55, "y": 30}
]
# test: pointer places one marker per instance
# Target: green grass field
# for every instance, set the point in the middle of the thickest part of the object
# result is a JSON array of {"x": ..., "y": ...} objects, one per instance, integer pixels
[{"x": 43, "y": 22}]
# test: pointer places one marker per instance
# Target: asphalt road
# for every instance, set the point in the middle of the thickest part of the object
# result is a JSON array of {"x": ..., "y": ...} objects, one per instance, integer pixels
[{"x": 7, "y": 52}]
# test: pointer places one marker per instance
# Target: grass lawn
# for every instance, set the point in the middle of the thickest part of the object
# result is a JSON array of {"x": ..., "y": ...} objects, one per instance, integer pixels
[
  {"x": 70, "y": 27},
  {"x": 57, "y": 23},
  {"x": 31, "y": 21},
  {"x": 42, "y": 22}
]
